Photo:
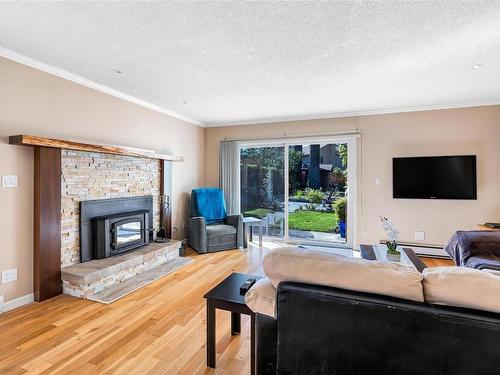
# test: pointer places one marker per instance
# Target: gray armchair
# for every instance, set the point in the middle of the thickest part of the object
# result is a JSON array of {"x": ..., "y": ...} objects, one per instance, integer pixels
[{"x": 206, "y": 237}]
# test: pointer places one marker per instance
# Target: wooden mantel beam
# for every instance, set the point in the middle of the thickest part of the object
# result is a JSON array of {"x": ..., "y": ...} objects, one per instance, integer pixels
[{"x": 32, "y": 140}]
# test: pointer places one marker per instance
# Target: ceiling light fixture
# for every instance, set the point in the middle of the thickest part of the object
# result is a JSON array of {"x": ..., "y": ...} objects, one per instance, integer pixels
[
  {"x": 476, "y": 66},
  {"x": 184, "y": 102},
  {"x": 118, "y": 71}
]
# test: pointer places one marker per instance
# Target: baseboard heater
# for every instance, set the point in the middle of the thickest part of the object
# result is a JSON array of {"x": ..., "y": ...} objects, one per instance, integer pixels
[{"x": 431, "y": 251}]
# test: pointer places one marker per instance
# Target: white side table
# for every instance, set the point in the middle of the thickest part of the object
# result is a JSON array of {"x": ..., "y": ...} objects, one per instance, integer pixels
[{"x": 248, "y": 224}]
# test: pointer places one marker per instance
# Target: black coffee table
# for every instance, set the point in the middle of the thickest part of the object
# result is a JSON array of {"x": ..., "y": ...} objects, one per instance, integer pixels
[{"x": 226, "y": 296}]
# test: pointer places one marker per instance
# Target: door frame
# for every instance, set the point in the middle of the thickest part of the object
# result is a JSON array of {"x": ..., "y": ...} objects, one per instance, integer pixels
[{"x": 352, "y": 177}]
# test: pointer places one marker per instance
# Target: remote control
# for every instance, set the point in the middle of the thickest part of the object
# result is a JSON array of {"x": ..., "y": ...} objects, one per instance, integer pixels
[{"x": 247, "y": 285}]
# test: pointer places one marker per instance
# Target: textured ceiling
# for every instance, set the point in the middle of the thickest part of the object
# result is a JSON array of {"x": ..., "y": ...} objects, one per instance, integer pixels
[{"x": 234, "y": 62}]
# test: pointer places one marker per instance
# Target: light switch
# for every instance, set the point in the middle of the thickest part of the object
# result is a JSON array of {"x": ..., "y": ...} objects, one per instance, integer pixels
[
  {"x": 420, "y": 236},
  {"x": 9, "y": 276},
  {"x": 378, "y": 180},
  {"x": 9, "y": 181}
]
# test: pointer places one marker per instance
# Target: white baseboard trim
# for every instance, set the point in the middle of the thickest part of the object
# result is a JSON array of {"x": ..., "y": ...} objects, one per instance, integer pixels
[
  {"x": 17, "y": 302},
  {"x": 431, "y": 251}
]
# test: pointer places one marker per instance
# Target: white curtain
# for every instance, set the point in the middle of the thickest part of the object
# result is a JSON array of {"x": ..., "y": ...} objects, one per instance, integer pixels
[{"x": 229, "y": 175}]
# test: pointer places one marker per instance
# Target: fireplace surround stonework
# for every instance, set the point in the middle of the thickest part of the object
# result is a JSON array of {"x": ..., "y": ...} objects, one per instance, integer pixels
[
  {"x": 87, "y": 176},
  {"x": 126, "y": 173}
]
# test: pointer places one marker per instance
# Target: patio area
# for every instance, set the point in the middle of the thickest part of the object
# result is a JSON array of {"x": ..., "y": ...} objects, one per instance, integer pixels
[{"x": 302, "y": 223}]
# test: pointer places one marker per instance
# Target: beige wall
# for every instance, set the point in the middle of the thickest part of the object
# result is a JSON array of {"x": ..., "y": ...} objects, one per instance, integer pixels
[
  {"x": 34, "y": 102},
  {"x": 443, "y": 132}
]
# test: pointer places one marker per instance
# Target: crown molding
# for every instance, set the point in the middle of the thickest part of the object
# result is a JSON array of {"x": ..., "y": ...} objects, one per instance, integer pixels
[
  {"x": 352, "y": 114},
  {"x": 25, "y": 60}
]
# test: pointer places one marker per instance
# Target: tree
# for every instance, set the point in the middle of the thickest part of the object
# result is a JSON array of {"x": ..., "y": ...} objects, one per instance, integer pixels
[
  {"x": 267, "y": 181},
  {"x": 314, "y": 175},
  {"x": 342, "y": 151},
  {"x": 295, "y": 166}
]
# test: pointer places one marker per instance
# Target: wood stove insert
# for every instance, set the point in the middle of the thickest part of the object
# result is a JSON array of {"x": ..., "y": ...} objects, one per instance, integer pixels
[
  {"x": 115, "y": 234},
  {"x": 112, "y": 226}
]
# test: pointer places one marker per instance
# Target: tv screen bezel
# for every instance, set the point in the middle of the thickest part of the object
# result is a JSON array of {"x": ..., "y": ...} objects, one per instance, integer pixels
[{"x": 474, "y": 171}]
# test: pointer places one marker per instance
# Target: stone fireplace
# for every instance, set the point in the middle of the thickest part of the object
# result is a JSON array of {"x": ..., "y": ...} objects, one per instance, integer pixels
[
  {"x": 110, "y": 211},
  {"x": 67, "y": 173}
]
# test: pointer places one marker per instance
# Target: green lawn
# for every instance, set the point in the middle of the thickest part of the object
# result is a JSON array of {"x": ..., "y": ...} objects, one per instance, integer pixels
[
  {"x": 258, "y": 213},
  {"x": 316, "y": 221}
]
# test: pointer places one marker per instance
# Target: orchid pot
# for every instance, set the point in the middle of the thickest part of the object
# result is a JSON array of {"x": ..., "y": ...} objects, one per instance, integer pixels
[
  {"x": 392, "y": 246},
  {"x": 392, "y": 251}
]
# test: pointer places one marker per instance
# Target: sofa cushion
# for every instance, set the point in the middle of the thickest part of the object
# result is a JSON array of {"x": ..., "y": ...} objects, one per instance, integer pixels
[
  {"x": 484, "y": 263},
  {"x": 463, "y": 287},
  {"x": 220, "y": 230},
  {"x": 493, "y": 272},
  {"x": 322, "y": 268},
  {"x": 261, "y": 298}
]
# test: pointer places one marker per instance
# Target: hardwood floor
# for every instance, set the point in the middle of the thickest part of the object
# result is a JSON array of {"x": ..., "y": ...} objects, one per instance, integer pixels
[
  {"x": 436, "y": 262},
  {"x": 159, "y": 329}
]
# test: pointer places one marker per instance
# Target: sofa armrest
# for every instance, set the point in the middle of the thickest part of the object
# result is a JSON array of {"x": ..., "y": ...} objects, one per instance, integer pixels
[
  {"x": 237, "y": 222},
  {"x": 234, "y": 220},
  {"x": 266, "y": 344},
  {"x": 198, "y": 233}
]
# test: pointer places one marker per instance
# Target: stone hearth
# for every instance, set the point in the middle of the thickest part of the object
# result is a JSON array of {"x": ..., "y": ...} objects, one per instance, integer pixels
[{"x": 85, "y": 279}]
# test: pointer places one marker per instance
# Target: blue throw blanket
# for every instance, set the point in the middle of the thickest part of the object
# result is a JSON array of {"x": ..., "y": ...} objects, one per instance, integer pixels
[{"x": 209, "y": 202}]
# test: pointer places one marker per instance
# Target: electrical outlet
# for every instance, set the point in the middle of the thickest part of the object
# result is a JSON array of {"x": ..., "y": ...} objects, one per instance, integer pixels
[
  {"x": 9, "y": 181},
  {"x": 420, "y": 236},
  {"x": 9, "y": 276},
  {"x": 378, "y": 181}
]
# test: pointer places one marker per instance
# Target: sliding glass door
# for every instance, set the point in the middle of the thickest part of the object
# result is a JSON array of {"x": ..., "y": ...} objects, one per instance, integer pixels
[
  {"x": 317, "y": 186},
  {"x": 302, "y": 190},
  {"x": 263, "y": 186}
]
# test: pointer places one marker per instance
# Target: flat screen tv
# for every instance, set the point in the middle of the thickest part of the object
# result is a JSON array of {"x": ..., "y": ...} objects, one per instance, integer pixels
[{"x": 435, "y": 177}]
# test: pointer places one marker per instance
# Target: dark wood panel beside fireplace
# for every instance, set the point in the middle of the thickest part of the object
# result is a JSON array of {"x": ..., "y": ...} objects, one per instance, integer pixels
[{"x": 47, "y": 223}]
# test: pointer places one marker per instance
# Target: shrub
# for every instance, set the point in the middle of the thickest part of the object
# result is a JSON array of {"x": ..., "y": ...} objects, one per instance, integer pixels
[
  {"x": 299, "y": 194},
  {"x": 315, "y": 195},
  {"x": 338, "y": 176},
  {"x": 341, "y": 208}
]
